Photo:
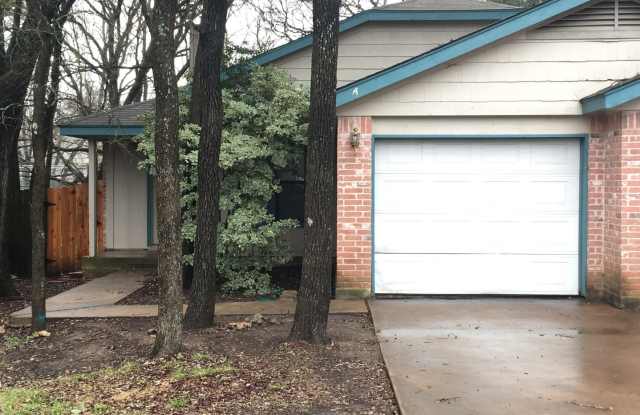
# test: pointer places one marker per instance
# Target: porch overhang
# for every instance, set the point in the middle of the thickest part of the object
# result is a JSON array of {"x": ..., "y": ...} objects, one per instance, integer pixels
[
  {"x": 101, "y": 132},
  {"x": 612, "y": 97}
]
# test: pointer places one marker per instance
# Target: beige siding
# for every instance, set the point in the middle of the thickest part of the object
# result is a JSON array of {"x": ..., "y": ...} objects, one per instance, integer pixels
[
  {"x": 125, "y": 199},
  {"x": 515, "y": 78},
  {"x": 375, "y": 46},
  {"x": 480, "y": 125},
  {"x": 631, "y": 106}
]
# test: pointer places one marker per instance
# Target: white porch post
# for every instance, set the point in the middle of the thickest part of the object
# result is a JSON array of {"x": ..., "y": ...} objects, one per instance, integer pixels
[{"x": 93, "y": 191}]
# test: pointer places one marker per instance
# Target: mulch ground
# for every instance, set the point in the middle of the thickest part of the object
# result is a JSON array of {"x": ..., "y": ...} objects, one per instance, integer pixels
[{"x": 101, "y": 366}]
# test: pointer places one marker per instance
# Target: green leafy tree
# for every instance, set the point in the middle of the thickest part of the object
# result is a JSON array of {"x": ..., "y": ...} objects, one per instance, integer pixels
[{"x": 264, "y": 137}]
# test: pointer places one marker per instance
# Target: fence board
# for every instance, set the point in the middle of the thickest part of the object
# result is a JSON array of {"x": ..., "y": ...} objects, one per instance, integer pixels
[{"x": 68, "y": 227}]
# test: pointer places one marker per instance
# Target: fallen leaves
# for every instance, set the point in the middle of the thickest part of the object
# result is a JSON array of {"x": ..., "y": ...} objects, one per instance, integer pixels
[
  {"x": 255, "y": 320},
  {"x": 102, "y": 366}
]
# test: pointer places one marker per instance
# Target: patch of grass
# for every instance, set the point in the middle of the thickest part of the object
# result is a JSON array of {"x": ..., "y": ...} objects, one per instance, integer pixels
[
  {"x": 179, "y": 402},
  {"x": 182, "y": 372},
  {"x": 201, "y": 357},
  {"x": 276, "y": 386},
  {"x": 14, "y": 342},
  {"x": 100, "y": 409},
  {"x": 126, "y": 369},
  {"x": 79, "y": 378},
  {"x": 23, "y": 401}
]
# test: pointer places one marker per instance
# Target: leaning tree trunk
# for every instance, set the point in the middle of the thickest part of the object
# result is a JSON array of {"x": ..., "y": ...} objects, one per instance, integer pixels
[
  {"x": 208, "y": 63},
  {"x": 312, "y": 311},
  {"x": 161, "y": 22}
]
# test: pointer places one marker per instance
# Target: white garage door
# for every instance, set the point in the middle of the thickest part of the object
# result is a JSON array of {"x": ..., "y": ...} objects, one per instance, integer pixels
[{"x": 477, "y": 217}]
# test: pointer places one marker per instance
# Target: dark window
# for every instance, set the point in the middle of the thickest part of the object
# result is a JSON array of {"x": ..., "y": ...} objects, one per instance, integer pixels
[{"x": 289, "y": 203}]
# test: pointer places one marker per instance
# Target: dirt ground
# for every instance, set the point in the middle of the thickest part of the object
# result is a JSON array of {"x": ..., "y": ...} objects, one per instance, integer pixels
[{"x": 102, "y": 367}]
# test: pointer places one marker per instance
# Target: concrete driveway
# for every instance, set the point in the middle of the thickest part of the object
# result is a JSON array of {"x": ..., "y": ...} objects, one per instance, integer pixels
[{"x": 504, "y": 356}]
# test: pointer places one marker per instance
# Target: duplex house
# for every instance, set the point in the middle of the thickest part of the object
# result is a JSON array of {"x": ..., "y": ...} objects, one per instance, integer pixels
[{"x": 482, "y": 149}]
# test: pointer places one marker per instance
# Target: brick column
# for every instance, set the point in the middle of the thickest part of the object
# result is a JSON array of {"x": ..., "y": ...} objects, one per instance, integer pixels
[
  {"x": 614, "y": 188},
  {"x": 353, "y": 257}
]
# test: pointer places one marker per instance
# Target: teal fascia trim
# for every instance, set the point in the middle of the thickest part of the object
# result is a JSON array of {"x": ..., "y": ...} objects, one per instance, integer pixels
[
  {"x": 101, "y": 131},
  {"x": 389, "y": 16},
  {"x": 584, "y": 187},
  {"x": 524, "y": 20},
  {"x": 612, "y": 98},
  {"x": 150, "y": 210}
]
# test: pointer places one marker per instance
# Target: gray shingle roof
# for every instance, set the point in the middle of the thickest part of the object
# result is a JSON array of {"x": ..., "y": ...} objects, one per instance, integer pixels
[
  {"x": 127, "y": 115},
  {"x": 446, "y": 5}
]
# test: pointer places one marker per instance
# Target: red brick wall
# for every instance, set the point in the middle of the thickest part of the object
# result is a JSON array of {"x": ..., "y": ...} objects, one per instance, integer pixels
[
  {"x": 353, "y": 272},
  {"x": 614, "y": 208}
]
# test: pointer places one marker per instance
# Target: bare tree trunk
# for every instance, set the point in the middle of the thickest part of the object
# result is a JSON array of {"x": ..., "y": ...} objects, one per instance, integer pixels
[
  {"x": 161, "y": 22},
  {"x": 312, "y": 311},
  {"x": 208, "y": 63},
  {"x": 52, "y": 16},
  {"x": 9, "y": 177},
  {"x": 39, "y": 185},
  {"x": 16, "y": 66}
]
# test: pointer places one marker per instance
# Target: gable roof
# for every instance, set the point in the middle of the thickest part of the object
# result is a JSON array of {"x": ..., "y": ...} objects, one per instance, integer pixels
[
  {"x": 409, "y": 11},
  {"x": 523, "y": 21},
  {"x": 446, "y": 5},
  {"x": 617, "y": 94},
  {"x": 126, "y": 120}
]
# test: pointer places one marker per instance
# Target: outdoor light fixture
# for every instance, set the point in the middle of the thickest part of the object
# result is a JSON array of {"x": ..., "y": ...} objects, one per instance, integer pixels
[{"x": 355, "y": 137}]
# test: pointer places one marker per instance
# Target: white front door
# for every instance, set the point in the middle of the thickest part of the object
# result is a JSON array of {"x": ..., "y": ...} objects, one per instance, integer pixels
[{"x": 477, "y": 217}]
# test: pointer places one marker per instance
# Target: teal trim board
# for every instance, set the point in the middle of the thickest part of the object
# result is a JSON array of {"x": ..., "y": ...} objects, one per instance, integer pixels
[
  {"x": 388, "y": 16},
  {"x": 583, "y": 191},
  {"x": 527, "y": 19},
  {"x": 101, "y": 131},
  {"x": 612, "y": 97}
]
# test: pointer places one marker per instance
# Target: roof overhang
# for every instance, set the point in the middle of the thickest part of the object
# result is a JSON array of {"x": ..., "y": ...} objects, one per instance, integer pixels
[
  {"x": 435, "y": 58},
  {"x": 612, "y": 97},
  {"x": 101, "y": 132},
  {"x": 376, "y": 15}
]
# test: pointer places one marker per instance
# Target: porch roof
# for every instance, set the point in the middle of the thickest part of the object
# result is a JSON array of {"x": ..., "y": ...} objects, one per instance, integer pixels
[{"x": 618, "y": 94}]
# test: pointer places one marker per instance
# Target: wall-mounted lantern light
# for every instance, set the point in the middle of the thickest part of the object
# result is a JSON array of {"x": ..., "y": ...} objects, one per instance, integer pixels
[{"x": 355, "y": 137}]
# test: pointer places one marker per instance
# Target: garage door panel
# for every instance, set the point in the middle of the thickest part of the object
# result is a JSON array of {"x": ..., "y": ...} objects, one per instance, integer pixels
[
  {"x": 476, "y": 274},
  {"x": 412, "y": 233},
  {"x": 434, "y": 193},
  {"x": 496, "y": 201}
]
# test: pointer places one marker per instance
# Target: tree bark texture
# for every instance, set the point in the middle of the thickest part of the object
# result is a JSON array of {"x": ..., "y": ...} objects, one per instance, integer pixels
[
  {"x": 312, "y": 311},
  {"x": 200, "y": 312},
  {"x": 16, "y": 66},
  {"x": 161, "y": 22},
  {"x": 39, "y": 185},
  {"x": 52, "y": 16}
]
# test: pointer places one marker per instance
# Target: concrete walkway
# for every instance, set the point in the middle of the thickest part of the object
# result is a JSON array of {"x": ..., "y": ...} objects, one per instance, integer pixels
[
  {"x": 98, "y": 298},
  {"x": 498, "y": 357}
]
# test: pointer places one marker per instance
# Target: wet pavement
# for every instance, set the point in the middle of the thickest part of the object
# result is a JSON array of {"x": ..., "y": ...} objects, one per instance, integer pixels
[{"x": 510, "y": 356}]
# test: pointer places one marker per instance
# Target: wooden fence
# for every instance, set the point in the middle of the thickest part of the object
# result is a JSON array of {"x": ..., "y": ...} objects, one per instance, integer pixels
[{"x": 68, "y": 226}]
